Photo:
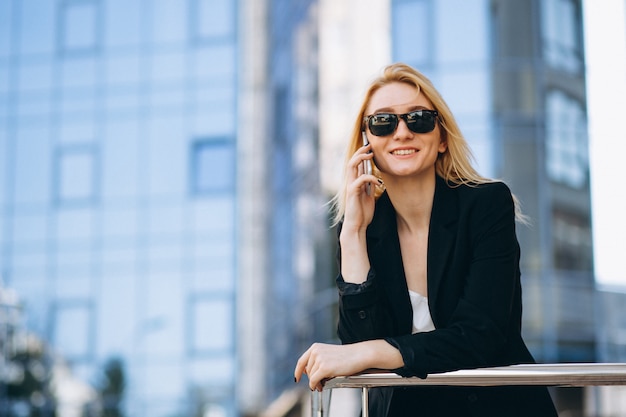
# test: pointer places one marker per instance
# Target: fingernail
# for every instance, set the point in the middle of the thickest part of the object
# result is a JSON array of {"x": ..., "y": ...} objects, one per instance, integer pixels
[{"x": 380, "y": 181}]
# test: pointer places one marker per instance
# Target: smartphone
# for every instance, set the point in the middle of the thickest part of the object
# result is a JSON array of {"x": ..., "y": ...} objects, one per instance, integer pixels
[{"x": 367, "y": 165}]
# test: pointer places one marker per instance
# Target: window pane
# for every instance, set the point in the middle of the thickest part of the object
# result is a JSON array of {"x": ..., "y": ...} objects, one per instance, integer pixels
[
  {"x": 71, "y": 331},
  {"x": 214, "y": 18},
  {"x": 411, "y": 31},
  {"x": 79, "y": 26},
  {"x": 212, "y": 324},
  {"x": 561, "y": 41},
  {"x": 213, "y": 167},
  {"x": 35, "y": 26},
  {"x": 76, "y": 175},
  {"x": 566, "y": 140}
]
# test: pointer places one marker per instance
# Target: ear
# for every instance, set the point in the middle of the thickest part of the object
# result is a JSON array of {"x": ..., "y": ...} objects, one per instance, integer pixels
[{"x": 443, "y": 146}]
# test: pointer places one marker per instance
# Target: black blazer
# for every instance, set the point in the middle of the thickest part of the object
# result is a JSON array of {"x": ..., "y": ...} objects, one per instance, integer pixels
[{"x": 474, "y": 296}]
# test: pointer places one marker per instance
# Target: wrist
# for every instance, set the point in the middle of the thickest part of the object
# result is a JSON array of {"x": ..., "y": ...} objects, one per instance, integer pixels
[{"x": 378, "y": 354}]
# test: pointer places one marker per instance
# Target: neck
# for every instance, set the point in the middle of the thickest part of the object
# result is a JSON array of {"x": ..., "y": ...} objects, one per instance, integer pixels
[{"x": 412, "y": 200}]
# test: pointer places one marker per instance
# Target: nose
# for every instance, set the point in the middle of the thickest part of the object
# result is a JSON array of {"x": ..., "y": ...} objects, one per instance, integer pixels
[{"x": 402, "y": 131}]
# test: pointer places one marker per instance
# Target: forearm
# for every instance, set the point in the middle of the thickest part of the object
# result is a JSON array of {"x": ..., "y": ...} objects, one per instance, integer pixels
[
  {"x": 354, "y": 260},
  {"x": 379, "y": 354}
]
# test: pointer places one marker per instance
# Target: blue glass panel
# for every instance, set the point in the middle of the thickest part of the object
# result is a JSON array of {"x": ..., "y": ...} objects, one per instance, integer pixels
[
  {"x": 78, "y": 131},
  {"x": 79, "y": 30},
  {"x": 212, "y": 325},
  {"x": 123, "y": 69},
  {"x": 5, "y": 86},
  {"x": 217, "y": 370},
  {"x": 211, "y": 277},
  {"x": 34, "y": 106},
  {"x": 74, "y": 224},
  {"x": 6, "y": 27},
  {"x": 72, "y": 324},
  {"x": 117, "y": 330},
  {"x": 462, "y": 36},
  {"x": 164, "y": 304},
  {"x": 214, "y": 18},
  {"x": 165, "y": 220},
  {"x": 204, "y": 67},
  {"x": 73, "y": 287},
  {"x": 29, "y": 227},
  {"x": 168, "y": 66},
  {"x": 412, "y": 31},
  {"x": 168, "y": 21},
  {"x": 119, "y": 256},
  {"x": 79, "y": 72},
  {"x": 216, "y": 214},
  {"x": 119, "y": 222},
  {"x": 215, "y": 120},
  {"x": 36, "y": 26},
  {"x": 29, "y": 261},
  {"x": 166, "y": 156},
  {"x": 35, "y": 76},
  {"x": 123, "y": 21},
  {"x": 561, "y": 34},
  {"x": 166, "y": 382},
  {"x": 76, "y": 175},
  {"x": 566, "y": 140},
  {"x": 213, "y": 167},
  {"x": 32, "y": 166},
  {"x": 121, "y": 160}
]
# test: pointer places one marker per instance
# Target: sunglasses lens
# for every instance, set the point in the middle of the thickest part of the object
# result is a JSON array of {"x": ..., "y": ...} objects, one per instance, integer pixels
[
  {"x": 421, "y": 121},
  {"x": 382, "y": 124}
]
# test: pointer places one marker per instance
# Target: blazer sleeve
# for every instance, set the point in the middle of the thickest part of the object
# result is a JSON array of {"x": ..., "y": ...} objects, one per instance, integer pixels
[
  {"x": 363, "y": 314},
  {"x": 480, "y": 329}
]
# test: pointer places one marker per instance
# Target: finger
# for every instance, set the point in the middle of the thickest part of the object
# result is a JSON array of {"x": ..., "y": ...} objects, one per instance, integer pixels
[
  {"x": 301, "y": 366},
  {"x": 363, "y": 152}
]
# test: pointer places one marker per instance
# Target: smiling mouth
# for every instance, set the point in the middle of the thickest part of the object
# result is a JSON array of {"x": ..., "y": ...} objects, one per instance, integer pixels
[{"x": 403, "y": 152}]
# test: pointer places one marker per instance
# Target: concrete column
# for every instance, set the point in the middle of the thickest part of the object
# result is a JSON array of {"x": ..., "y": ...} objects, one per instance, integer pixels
[{"x": 253, "y": 146}]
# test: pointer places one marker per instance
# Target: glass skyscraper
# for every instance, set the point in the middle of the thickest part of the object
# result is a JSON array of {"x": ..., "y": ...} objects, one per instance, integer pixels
[{"x": 127, "y": 222}]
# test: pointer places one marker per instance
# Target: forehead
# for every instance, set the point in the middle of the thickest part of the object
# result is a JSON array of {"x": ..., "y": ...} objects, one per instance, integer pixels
[{"x": 397, "y": 97}]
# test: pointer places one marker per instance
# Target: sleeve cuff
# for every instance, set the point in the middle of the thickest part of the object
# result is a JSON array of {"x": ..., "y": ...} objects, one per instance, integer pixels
[{"x": 408, "y": 356}]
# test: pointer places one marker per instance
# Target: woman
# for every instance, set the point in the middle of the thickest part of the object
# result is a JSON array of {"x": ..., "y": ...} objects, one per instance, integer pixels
[{"x": 429, "y": 261}]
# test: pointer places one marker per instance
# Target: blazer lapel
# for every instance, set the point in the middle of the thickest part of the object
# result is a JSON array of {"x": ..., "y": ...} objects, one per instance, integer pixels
[
  {"x": 441, "y": 236},
  {"x": 385, "y": 256}
]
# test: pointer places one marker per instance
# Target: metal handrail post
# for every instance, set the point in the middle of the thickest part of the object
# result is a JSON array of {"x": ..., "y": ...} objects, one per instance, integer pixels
[
  {"x": 365, "y": 408},
  {"x": 317, "y": 405}
]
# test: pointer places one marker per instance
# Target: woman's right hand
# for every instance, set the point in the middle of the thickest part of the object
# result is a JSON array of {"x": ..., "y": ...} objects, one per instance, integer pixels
[
  {"x": 358, "y": 215},
  {"x": 359, "y": 204}
]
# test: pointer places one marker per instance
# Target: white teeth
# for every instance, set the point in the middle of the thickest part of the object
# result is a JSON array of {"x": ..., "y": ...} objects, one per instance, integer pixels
[{"x": 403, "y": 152}]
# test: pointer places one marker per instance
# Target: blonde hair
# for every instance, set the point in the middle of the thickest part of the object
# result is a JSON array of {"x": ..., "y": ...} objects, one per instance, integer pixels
[{"x": 454, "y": 165}]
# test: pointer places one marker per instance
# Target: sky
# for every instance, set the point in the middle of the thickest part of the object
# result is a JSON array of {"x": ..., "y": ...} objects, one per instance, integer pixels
[{"x": 605, "y": 49}]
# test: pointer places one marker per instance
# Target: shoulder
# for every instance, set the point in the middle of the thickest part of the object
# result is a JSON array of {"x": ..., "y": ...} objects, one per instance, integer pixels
[
  {"x": 488, "y": 193},
  {"x": 482, "y": 203}
]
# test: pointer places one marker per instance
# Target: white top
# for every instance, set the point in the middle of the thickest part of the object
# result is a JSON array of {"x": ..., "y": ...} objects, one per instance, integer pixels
[{"x": 422, "y": 322}]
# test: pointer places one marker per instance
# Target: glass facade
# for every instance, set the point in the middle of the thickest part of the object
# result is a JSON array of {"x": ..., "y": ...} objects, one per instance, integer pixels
[{"x": 118, "y": 191}]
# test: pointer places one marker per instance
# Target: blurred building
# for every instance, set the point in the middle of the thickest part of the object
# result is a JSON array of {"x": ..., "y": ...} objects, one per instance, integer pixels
[
  {"x": 159, "y": 198},
  {"x": 162, "y": 184}
]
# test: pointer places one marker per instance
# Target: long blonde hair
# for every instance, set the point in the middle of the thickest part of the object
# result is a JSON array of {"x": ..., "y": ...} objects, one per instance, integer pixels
[{"x": 454, "y": 165}]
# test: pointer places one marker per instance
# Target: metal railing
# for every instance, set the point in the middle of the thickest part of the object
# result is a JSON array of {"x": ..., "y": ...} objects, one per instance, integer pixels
[{"x": 558, "y": 375}]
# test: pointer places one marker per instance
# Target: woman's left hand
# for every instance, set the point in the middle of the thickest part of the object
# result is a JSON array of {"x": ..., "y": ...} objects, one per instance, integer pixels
[{"x": 323, "y": 361}]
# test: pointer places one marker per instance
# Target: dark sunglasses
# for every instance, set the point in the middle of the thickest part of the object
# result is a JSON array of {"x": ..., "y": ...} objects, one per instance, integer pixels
[{"x": 418, "y": 121}]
